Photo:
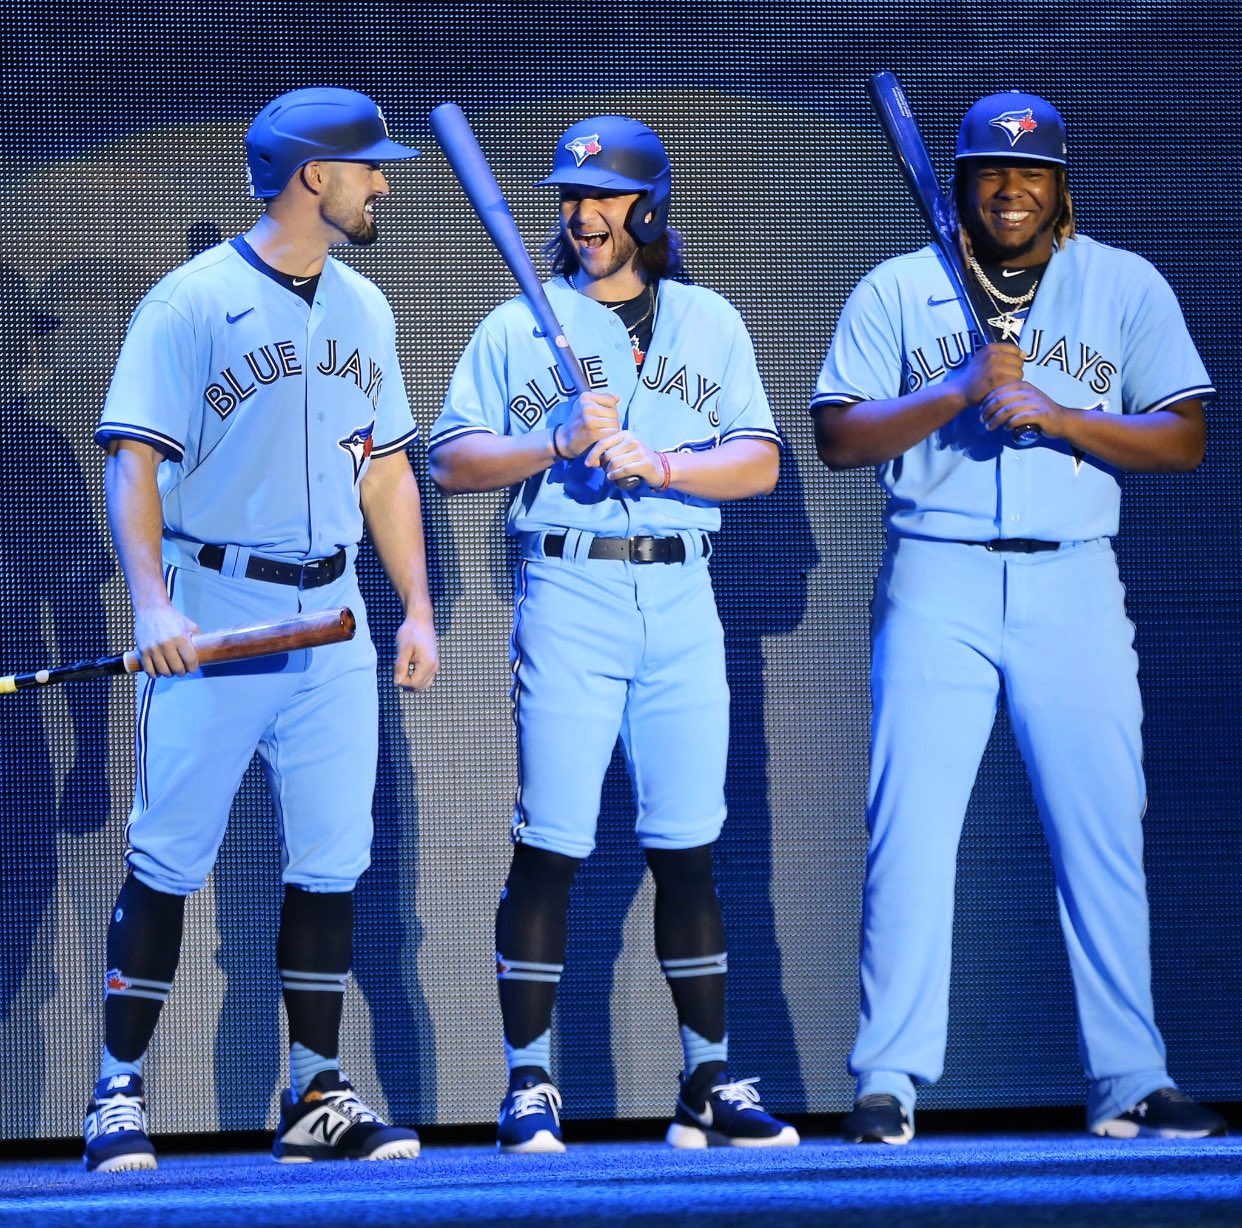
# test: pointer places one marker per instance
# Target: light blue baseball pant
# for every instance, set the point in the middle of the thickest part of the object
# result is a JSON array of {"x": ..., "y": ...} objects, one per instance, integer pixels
[
  {"x": 950, "y": 622},
  {"x": 603, "y": 648},
  {"x": 311, "y": 714}
]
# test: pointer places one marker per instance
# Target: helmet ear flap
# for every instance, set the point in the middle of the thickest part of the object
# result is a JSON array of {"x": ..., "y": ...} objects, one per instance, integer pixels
[{"x": 647, "y": 219}]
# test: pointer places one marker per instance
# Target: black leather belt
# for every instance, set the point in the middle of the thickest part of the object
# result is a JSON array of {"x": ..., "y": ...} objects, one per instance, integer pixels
[
  {"x": 314, "y": 574},
  {"x": 1016, "y": 545},
  {"x": 627, "y": 549}
]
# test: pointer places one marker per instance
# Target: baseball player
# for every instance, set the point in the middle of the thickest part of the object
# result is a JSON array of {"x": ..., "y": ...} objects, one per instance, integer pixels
[
  {"x": 256, "y": 416},
  {"x": 615, "y": 628},
  {"x": 999, "y": 573}
]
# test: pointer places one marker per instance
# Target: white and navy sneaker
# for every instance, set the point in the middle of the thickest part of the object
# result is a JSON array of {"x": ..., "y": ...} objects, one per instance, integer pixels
[
  {"x": 116, "y": 1127},
  {"x": 877, "y": 1118},
  {"x": 530, "y": 1119},
  {"x": 1166, "y": 1113},
  {"x": 731, "y": 1116},
  {"x": 330, "y": 1123}
]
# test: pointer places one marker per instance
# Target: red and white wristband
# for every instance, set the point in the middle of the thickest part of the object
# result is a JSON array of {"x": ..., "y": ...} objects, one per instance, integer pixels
[{"x": 668, "y": 473}]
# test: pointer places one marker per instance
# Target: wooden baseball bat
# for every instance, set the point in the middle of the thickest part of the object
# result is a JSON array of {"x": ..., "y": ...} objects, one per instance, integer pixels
[
  {"x": 469, "y": 164},
  {"x": 213, "y": 647},
  {"x": 897, "y": 120}
]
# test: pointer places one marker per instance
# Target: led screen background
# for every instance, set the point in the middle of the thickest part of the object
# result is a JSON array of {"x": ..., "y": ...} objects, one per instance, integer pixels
[{"x": 123, "y": 154}]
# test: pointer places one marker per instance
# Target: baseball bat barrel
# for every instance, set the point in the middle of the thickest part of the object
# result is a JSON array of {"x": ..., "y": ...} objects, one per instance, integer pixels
[
  {"x": 892, "y": 108},
  {"x": 469, "y": 164},
  {"x": 897, "y": 120},
  {"x": 465, "y": 155},
  {"x": 213, "y": 648}
]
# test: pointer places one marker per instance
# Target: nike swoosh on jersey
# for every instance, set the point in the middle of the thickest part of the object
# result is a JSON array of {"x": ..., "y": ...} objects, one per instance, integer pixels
[
  {"x": 232, "y": 319},
  {"x": 1012, "y": 272},
  {"x": 933, "y": 301},
  {"x": 301, "y": 281}
]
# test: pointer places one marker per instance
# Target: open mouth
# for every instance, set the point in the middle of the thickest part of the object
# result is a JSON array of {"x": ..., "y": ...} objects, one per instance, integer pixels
[{"x": 591, "y": 238}]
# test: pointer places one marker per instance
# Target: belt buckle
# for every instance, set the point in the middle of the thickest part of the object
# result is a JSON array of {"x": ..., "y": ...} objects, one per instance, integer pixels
[
  {"x": 643, "y": 549},
  {"x": 308, "y": 576}
]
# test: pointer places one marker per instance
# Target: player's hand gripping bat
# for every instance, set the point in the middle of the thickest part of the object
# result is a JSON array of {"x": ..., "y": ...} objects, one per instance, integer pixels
[
  {"x": 897, "y": 120},
  {"x": 213, "y": 647},
  {"x": 466, "y": 157}
]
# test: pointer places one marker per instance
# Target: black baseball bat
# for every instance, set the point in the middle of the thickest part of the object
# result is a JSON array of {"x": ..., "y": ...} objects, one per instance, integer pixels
[
  {"x": 897, "y": 120},
  {"x": 469, "y": 164},
  {"x": 230, "y": 644}
]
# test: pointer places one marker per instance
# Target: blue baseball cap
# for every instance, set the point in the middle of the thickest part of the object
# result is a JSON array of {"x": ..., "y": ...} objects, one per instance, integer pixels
[
  {"x": 320, "y": 124},
  {"x": 1013, "y": 126}
]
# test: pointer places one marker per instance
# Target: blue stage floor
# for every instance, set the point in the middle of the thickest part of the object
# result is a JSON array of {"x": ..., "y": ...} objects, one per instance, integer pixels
[{"x": 962, "y": 1181}]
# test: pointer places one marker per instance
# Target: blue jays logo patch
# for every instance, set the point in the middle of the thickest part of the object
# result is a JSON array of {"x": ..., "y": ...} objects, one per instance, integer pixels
[
  {"x": 358, "y": 444},
  {"x": 584, "y": 147},
  {"x": 1015, "y": 124}
]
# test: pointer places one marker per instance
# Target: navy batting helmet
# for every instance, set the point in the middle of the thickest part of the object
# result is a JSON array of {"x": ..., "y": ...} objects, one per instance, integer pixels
[
  {"x": 620, "y": 155},
  {"x": 1012, "y": 125},
  {"x": 320, "y": 124}
]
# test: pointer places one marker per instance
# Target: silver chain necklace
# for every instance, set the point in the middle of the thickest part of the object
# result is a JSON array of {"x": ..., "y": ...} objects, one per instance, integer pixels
[{"x": 1006, "y": 321}]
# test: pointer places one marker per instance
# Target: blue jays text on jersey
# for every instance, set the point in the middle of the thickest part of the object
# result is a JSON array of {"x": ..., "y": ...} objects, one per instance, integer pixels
[
  {"x": 926, "y": 364},
  {"x": 543, "y": 395},
  {"x": 1088, "y": 347},
  {"x": 698, "y": 388},
  {"x": 280, "y": 360},
  {"x": 261, "y": 402}
]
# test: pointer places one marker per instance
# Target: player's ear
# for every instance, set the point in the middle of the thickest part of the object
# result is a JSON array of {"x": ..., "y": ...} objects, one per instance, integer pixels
[{"x": 312, "y": 177}]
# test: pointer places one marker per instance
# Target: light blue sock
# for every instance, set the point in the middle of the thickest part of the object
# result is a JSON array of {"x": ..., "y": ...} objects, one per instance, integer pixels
[
  {"x": 305, "y": 1064},
  {"x": 697, "y": 1049},
  {"x": 111, "y": 1066},
  {"x": 537, "y": 1053}
]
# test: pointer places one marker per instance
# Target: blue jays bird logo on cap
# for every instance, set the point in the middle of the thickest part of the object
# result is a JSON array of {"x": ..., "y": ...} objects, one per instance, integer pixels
[
  {"x": 1015, "y": 124},
  {"x": 358, "y": 444},
  {"x": 584, "y": 147}
]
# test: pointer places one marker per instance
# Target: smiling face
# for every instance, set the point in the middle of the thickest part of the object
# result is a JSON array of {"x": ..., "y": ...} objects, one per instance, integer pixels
[
  {"x": 593, "y": 222},
  {"x": 347, "y": 204},
  {"x": 1010, "y": 209}
]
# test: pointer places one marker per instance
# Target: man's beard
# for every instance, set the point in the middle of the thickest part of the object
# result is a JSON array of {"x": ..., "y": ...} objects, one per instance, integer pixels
[
  {"x": 988, "y": 250},
  {"x": 361, "y": 231}
]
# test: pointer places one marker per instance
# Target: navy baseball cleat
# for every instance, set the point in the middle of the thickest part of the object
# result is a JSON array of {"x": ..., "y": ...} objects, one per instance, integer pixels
[
  {"x": 730, "y": 1116},
  {"x": 1166, "y": 1113},
  {"x": 529, "y": 1119},
  {"x": 116, "y": 1127},
  {"x": 331, "y": 1123},
  {"x": 877, "y": 1118}
]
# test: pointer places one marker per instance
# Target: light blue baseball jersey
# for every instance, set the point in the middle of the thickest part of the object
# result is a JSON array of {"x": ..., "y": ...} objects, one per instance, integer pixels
[
  {"x": 1104, "y": 334},
  {"x": 267, "y": 409},
  {"x": 699, "y": 387}
]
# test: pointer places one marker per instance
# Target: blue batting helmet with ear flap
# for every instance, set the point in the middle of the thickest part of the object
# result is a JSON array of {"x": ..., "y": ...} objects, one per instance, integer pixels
[
  {"x": 618, "y": 154},
  {"x": 321, "y": 124}
]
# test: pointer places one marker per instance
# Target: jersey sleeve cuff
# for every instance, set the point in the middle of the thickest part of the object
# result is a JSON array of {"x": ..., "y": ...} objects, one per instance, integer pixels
[
  {"x": 397, "y": 445},
  {"x": 108, "y": 431},
  {"x": 753, "y": 432},
  {"x": 457, "y": 432},
  {"x": 832, "y": 398},
  {"x": 1204, "y": 392}
]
